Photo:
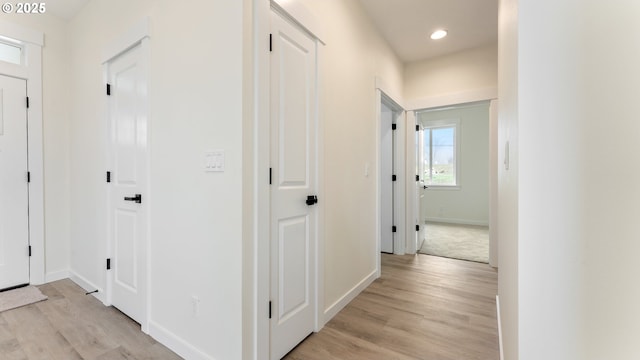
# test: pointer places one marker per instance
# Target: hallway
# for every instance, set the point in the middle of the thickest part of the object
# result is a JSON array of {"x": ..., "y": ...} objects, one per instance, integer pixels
[{"x": 422, "y": 307}]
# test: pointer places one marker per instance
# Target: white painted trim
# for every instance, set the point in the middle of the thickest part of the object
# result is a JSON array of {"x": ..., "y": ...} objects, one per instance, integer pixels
[
  {"x": 320, "y": 244},
  {"x": 345, "y": 299},
  {"x": 499, "y": 327},
  {"x": 493, "y": 184},
  {"x": 56, "y": 275},
  {"x": 391, "y": 95},
  {"x": 21, "y": 33},
  {"x": 127, "y": 40},
  {"x": 262, "y": 27},
  {"x": 453, "y": 99},
  {"x": 297, "y": 11},
  {"x": 457, "y": 221},
  {"x": 176, "y": 343},
  {"x": 87, "y": 286}
]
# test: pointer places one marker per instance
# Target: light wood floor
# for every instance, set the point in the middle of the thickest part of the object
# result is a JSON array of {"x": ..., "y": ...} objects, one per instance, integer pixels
[
  {"x": 71, "y": 325},
  {"x": 422, "y": 307}
]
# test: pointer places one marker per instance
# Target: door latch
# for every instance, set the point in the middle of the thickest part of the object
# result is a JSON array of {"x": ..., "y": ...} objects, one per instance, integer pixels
[
  {"x": 137, "y": 198},
  {"x": 312, "y": 199}
]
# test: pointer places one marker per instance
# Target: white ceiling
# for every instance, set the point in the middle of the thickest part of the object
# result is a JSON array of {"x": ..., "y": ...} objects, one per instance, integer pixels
[
  {"x": 407, "y": 25},
  {"x": 65, "y": 9}
]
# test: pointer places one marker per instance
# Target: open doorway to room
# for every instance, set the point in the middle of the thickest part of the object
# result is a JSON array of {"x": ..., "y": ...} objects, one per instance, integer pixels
[{"x": 453, "y": 158}]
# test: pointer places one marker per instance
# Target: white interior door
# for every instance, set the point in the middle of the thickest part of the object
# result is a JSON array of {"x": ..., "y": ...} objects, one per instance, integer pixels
[
  {"x": 128, "y": 118},
  {"x": 14, "y": 191},
  {"x": 293, "y": 161},
  {"x": 386, "y": 182},
  {"x": 421, "y": 186}
]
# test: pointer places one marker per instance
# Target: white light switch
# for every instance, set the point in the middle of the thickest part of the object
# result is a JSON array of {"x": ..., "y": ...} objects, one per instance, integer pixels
[{"x": 214, "y": 161}]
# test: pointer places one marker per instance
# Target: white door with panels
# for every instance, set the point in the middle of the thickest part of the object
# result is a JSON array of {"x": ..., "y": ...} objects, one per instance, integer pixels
[
  {"x": 293, "y": 185},
  {"x": 420, "y": 187},
  {"x": 14, "y": 187},
  {"x": 387, "y": 226},
  {"x": 128, "y": 123}
]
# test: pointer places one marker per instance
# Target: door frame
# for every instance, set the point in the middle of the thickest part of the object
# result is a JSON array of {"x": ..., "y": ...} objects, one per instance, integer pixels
[
  {"x": 399, "y": 163},
  {"x": 488, "y": 94},
  {"x": 31, "y": 71},
  {"x": 257, "y": 280},
  {"x": 138, "y": 34}
]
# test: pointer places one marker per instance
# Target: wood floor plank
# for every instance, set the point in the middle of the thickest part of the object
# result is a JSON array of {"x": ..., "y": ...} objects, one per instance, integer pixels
[
  {"x": 422, "y": 307},
  {"x": 71, "y": 325}
]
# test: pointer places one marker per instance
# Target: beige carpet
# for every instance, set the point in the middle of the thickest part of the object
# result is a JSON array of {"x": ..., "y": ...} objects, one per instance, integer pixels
[
  {"x": 16, "y": 298},
  {"x": 465, "y": 242}
]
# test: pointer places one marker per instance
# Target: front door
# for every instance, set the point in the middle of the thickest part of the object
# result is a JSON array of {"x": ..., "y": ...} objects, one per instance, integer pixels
[
  {"x": 293, "y": 162},
  {"x": 14, "y": 188},
  {"x": 128, "y": 196}
]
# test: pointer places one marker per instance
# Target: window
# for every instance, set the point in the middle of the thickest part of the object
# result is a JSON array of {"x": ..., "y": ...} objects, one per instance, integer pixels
[
  {"x": 440, "y": 154},
  {"x": 10, "y": 53}
]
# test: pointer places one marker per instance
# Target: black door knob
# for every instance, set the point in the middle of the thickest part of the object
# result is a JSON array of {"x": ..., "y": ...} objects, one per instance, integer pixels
[
  {"x": 137, "y": 198},
  {"x": 312, "y": 199}
]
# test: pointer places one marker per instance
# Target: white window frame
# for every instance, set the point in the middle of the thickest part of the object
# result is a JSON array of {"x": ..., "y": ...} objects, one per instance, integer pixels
[{"x": 428, "y": 125}]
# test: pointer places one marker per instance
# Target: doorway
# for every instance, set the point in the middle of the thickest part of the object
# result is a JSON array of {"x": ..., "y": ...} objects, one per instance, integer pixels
[
  {"x": 454, "y": 195},
  {"x": 391, "y": 179},
  {"x": 128, "y": 181},
  {"x": 14, "y": 184}
]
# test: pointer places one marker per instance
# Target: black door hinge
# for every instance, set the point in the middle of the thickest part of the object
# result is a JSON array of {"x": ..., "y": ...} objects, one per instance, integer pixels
[
  {"x": 393, "y": 178},
  {"x": 417, "y": 227},
  {"x": 108, "y": 264},
  {"x": 29, "y": 250},
  {"x": 393, "y": 126},
  {"x": 417, "y": 177},
  {"x": 28, "y": 176},
  {"x": 270, "y": 178},
  {"x": 108, "y": 176},
  {"x": 417, "y": 127},
  {"x": 393, "y": 228},
  {"x": 27, "y": 102},
  {"x": 269, "y": 309},
  {"x": 270, "y": 42},
  {"x": 108, "y": 89}
]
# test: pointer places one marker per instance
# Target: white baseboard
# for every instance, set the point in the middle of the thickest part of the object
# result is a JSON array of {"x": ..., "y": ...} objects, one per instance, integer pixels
[
  {"x": 499, "y": 327},
  {"x": 457, "y": 221},
  {"x": 87, "y": 285},
  {"x": 335, "y": 308},
  {"x": 56, "y": 275},
  {"x": 175, "y": 343}
]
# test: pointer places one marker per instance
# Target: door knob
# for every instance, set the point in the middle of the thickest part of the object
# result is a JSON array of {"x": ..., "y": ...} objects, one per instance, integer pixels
[
  {"x": 137, "y": 198},
  {"x": 312, "y": 199}
]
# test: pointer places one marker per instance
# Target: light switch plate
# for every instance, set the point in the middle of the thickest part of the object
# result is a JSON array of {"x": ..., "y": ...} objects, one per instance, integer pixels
[{"x": 214, "y": 161}]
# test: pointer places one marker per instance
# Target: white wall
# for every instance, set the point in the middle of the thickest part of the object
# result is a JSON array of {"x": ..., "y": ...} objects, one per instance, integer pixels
[
  {"x": 473, "y": 69},
  {"x": 578, "y": 187},
  {"x": 55, "y": 93},
  {"x": 470, "y": 203},
  {"x": 354, "y": 55},
  {"x": 196, "y": 217},
  {"x": 508, "y": 179}
]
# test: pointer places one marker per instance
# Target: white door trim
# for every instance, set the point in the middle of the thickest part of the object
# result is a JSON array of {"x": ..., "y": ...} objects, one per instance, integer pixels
[
  {"x": 31, "y": 71},
  {"x": 259, "y": 279},
  {"x": 137, "y": 34}
]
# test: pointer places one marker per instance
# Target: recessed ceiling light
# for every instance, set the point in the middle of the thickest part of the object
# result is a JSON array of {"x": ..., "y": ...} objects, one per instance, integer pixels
[{"x": 438, "y": 34}]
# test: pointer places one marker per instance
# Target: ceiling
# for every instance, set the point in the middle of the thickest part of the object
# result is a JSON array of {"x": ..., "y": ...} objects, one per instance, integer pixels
[
  {"x": 407, "y": 25},
  {"x": 65, "y": 9}
]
